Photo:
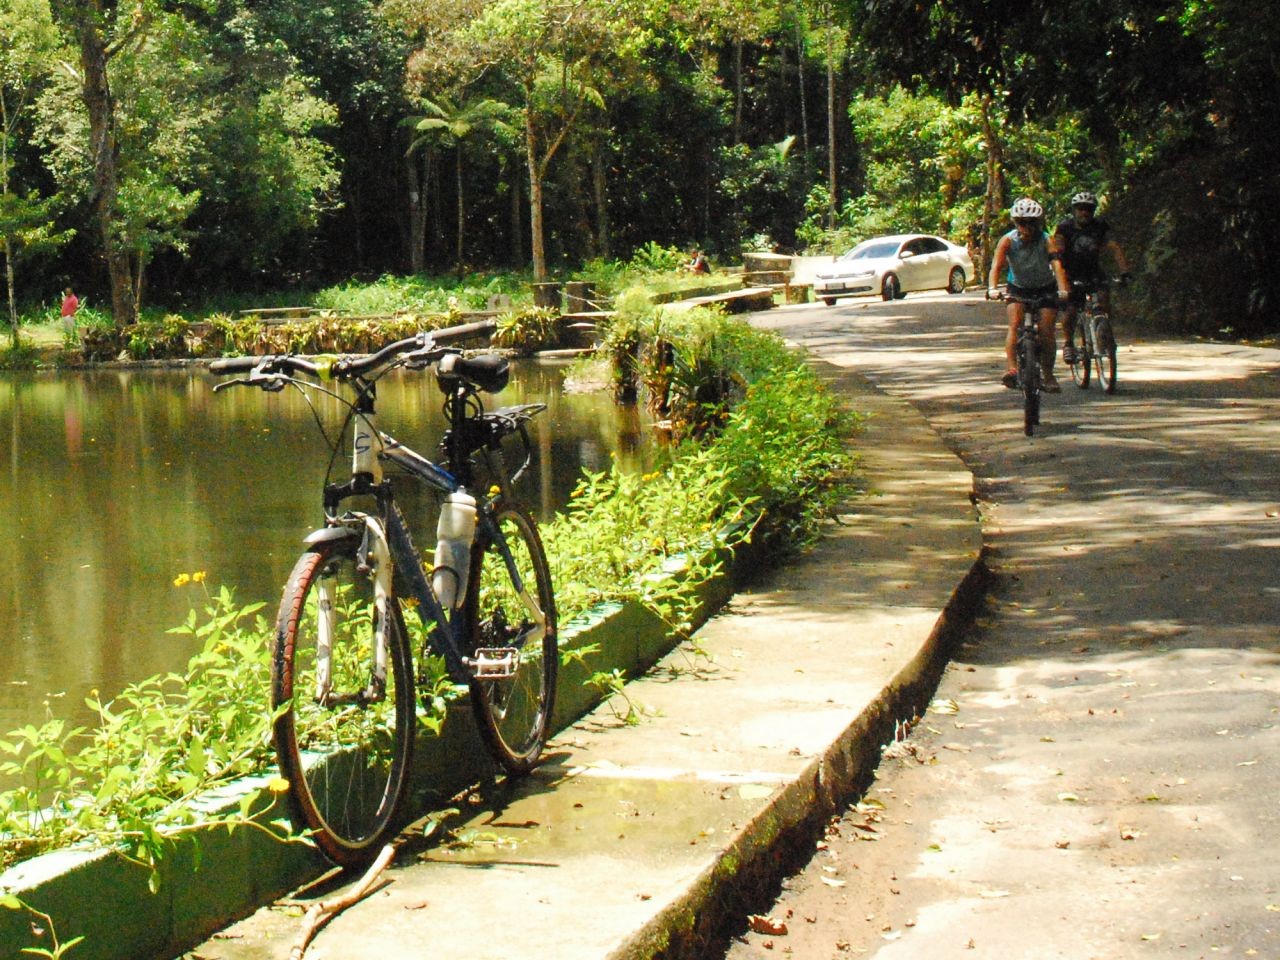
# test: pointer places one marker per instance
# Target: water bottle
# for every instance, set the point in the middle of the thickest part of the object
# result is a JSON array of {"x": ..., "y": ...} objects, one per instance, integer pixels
[{"x": 453, "y": 548}]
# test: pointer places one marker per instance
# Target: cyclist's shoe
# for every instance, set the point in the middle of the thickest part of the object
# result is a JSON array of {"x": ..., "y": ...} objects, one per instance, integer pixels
[
  {"x": 1051, "y": 383},
  {"x": 1010, "y": 379},
  {"x": 1068, "y": 354}
]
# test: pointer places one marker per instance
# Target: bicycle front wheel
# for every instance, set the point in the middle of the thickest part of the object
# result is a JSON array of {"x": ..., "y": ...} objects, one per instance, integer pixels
[
  {"x": 1083, "y": 362},
  {"x": 511, "y": 617},
  {"x": 344, "y": 734},
  {"x": 1030, "y": 384},
  {"x": 1105, "y": 345}
]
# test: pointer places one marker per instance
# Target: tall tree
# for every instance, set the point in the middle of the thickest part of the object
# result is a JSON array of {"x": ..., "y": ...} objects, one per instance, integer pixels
[
  {"x": 28, "y": 47},
  {"x": 100, "y": 33},
  {"x": 456, "y": 122}
]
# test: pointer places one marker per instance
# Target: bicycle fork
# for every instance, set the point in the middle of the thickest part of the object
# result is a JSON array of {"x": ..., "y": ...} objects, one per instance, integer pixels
[{"x": 373, "y": 557}]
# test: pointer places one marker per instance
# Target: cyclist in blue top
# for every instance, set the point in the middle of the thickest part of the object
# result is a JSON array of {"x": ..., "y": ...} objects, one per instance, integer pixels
[
  {"x": 1034, "y": 263},
  {"x": 1083, "y": 238}
]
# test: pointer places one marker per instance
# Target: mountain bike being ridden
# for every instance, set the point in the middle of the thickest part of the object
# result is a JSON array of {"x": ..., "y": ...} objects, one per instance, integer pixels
[
  {"x": 1082, "y": 239},
  {"x": 1033, "y": 262},
  {"x": 1093, "y": 340},
  {"x": 1029, "y": 380}
]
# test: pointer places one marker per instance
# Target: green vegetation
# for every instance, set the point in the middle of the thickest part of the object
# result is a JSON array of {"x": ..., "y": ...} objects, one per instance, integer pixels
[
  {"x": 132, "y": 779},
  {"x": 276, "y": 147}
]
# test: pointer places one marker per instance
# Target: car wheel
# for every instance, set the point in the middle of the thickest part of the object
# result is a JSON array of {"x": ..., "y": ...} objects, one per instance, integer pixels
[
  {"x": 955, "y": 283},
  {"x": 829, "y": 301},
  {"x": 890, "y": 289}
]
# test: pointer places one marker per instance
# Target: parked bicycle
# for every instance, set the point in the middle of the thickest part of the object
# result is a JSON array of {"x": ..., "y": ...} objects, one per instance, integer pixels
[
  {"x": 343, "y": 680},
  {"x": 1027, "y": 353},
  {"x": 1093, "y": 340}
]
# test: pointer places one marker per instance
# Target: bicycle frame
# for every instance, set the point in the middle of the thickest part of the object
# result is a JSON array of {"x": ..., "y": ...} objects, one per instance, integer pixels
[{"x": 370, "y": 447}]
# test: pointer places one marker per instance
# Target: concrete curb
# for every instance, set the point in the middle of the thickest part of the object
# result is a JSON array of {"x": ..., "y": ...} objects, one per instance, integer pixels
[{"x": 795, "y": 816}]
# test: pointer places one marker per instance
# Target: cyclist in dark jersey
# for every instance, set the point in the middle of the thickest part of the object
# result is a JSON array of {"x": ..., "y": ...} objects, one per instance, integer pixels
[
  {"x": 1034, "y": 265},
  {"x": 1083, "y": 238}
]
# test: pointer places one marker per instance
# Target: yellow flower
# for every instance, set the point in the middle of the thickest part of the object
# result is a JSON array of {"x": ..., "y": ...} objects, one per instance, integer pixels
[
  {"x": 278, "y": 785},
  {"x": 181, "y": 579},
  {"x": 494, "y": 490},
  {"x": 198, "y": 576}
]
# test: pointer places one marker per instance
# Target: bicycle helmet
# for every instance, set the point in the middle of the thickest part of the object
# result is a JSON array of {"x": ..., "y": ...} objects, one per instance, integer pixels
[
  {"x": 1084, "y": 199},
  {"x": 1026, "y": 209}
]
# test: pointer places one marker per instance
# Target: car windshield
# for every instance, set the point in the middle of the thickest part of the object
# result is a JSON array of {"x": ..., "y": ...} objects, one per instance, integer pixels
[{"x": 872, "y": 250}]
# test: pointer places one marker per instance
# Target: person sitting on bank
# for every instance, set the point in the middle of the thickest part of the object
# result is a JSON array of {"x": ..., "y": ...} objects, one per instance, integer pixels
[{"x": 698, "y": 263}]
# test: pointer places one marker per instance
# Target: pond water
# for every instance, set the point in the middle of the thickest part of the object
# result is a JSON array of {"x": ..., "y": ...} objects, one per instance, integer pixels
[{"x": 119, "y": 481}]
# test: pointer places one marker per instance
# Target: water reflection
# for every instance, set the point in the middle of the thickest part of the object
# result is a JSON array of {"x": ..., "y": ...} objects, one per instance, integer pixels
[{"x": 118, "y": 481}]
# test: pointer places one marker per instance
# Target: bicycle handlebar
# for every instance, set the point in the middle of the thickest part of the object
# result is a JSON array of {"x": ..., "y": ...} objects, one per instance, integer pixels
[{"x": 349, "y": 367}]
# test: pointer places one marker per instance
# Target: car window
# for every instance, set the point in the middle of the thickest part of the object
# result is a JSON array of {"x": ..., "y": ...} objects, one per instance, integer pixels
[
  {"x": 931, "y": 245},
  {"x": 871, "y": 250}
]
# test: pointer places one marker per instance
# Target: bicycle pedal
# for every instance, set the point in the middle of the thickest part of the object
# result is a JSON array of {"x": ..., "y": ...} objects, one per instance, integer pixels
[{"x": 495, "y": 663}]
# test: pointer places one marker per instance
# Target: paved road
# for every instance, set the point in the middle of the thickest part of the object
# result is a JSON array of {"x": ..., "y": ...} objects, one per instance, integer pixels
[{"x": 1099, "y": 775}]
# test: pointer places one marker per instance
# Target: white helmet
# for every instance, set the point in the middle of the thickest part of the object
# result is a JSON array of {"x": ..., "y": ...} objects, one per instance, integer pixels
[
  {"x": 1026, "y": 209},
  {"x": 1084, "y": 199}
]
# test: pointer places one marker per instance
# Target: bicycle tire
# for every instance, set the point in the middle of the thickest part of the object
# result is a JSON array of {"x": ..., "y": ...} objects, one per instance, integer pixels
[
  {"x": 1030, "y": 377},
  {"x": 1082, "y": 366},
  {"x": 346, "y": 762},
  {"x": 1105, "y": 354},
  {"x": 513, "y": 714}
]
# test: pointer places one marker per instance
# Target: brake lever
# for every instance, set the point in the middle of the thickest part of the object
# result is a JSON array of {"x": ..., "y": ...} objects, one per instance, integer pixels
[{"x": 270, "y": 382}]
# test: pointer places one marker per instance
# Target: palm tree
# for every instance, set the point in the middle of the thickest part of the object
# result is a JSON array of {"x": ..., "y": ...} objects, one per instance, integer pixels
[{"x": 452, "y": 122}]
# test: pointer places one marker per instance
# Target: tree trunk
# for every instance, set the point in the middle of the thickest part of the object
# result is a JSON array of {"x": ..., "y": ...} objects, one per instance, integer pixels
[
  {"x": 831, "y": 135},
  {"x": 600, "y": 185},
  {"x": 417, "y": 181},
  {"x": 10, "y": 280},
  {"x": 535, "y": 200},
  {"x": 804, "y": 103},
  {"x": 737, "y": 95},
  {"x": 103, "y": 150},
  {"x": 994, "y": 200},
  {"x": 11, "y": 283},
  {"x": 462, "y": 222}
]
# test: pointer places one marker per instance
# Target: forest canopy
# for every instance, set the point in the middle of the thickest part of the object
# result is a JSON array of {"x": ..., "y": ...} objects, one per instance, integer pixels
[{"x": 155, "y": 152}]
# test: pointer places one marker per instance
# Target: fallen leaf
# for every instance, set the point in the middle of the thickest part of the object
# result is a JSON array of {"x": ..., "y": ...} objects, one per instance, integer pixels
[
  {"x": 1151, "y": 936},
  {"x": 1068, "y": 798},
  {"x": 994, "y": 894},
  {"x": 768, "y": 925},
  {"x": 416, "y": 905},
  {"x": 896, "y": 934},
  {"x": 1062, "y": 844},
  {"x": 831, "y": 882},
  {"x": 944, "y": 706},
  {"x": 1127, "y": 833}
]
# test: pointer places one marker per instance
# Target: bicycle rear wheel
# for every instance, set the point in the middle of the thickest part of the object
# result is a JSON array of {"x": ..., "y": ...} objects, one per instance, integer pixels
[
  {"x": 1105, "y": 355},
  {"x": 1029, "y": 376},
  {"x": 503, "y": 614},
  {"x": 343, "y": 741},
  {"x": 1083, "y": 363}
]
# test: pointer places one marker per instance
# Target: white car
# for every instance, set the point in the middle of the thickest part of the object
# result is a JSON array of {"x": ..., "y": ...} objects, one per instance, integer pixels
[{"x": 895, "y": 266}]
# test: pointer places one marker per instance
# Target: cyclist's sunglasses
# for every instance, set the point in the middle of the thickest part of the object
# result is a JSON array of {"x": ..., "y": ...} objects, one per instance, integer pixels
[{"x": 1025, "y": 221}]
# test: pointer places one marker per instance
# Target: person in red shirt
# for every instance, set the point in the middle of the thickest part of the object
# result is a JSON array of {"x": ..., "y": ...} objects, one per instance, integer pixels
[{"x": 70, "y": 304}]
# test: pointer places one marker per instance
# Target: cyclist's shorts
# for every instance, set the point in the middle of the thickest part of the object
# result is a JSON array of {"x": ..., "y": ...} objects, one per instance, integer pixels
[{"x": 1037, "y": 298}]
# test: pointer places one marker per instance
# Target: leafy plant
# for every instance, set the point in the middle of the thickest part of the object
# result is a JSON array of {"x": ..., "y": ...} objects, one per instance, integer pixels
[
  {"x": 43, "y": 927},
  {"x": 130, "y": 779},
  {"x": 527, "y": 329}
]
